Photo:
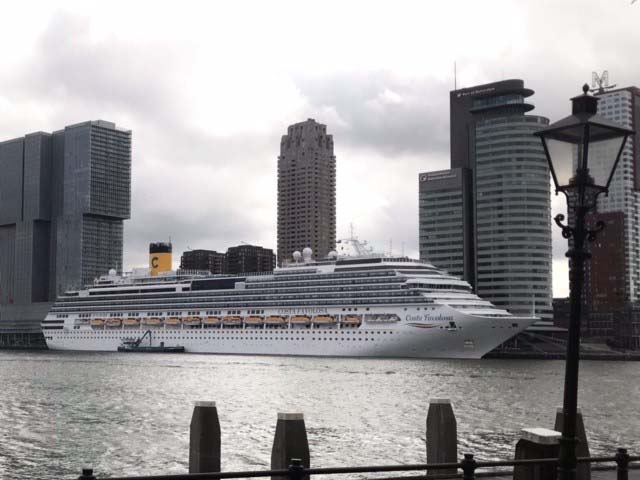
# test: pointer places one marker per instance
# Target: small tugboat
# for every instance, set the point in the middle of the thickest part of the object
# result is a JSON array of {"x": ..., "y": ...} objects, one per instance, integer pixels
[{"x": 135, "y": 345}]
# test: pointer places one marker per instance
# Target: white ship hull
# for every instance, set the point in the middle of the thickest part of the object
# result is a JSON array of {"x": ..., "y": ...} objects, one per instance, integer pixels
[{"x": 417, "y": 334}]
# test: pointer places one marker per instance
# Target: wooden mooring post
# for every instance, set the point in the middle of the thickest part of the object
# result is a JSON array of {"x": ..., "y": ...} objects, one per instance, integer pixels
[
  {"x": 442, "y": 434},
  {"x": 290, "y": 442},
  {"x": 204, "y": 439}
]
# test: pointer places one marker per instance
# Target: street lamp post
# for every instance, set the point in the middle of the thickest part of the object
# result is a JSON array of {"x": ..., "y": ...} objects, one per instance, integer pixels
[{"x": 568, "y": 144}]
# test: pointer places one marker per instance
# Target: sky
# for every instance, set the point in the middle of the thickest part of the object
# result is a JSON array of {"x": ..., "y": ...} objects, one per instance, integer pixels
[{"x": 209, "y": 88}]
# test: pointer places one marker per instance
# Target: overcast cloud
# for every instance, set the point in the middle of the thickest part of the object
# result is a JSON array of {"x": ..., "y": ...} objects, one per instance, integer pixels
[{"x": 208, "y": 89}]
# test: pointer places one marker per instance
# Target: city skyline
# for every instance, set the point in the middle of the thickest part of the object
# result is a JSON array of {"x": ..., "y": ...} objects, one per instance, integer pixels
[{"x": 387, "y": 107}]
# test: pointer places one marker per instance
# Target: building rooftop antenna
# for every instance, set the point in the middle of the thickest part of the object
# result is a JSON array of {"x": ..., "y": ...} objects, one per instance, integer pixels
[{"x": 600, "y": 83}]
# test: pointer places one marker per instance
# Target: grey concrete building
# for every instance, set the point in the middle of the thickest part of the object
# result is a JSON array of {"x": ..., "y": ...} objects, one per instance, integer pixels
[
  {"x": 306, "y": 191},
  {"x": 63, "y": 199},
  {"x": 493, "y": 207},
  {"x": 446, "y": 223}
]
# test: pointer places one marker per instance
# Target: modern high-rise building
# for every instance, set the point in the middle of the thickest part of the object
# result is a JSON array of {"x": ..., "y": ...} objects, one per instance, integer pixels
[
  {"x": 488, "y": 218},
  {"x": 208, "y": 260},
  {"x": 446, "y": 223},
  {"x": 306, "y": 191},
  {"x": 249, "y": 259},
  {"x": 621, "y": 106},
  {"x": 63, "y": 199}
]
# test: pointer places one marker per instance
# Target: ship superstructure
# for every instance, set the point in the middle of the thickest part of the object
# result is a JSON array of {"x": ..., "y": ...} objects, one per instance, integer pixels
[{"x": 364, "y": 305}]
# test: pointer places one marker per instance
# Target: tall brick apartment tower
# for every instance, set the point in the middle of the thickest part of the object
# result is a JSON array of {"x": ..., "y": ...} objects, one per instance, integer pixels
[{"x": 306, "y": 191}]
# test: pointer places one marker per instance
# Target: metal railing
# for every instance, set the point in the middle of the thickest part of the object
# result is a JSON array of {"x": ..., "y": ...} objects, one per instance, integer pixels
[{"x": 468, "y": 467}]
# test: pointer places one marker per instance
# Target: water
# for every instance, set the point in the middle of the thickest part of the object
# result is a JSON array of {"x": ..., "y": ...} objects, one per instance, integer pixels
[{"x": 130, "y": 413}]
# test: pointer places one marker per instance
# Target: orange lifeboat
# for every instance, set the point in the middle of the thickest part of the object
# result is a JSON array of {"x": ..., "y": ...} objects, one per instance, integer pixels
[
  {"x": 351, "y": 320},
  {"x": 300, "y": 320},
  {"x": 232, "y": 321},
  {"x": 212, "y": 321},
  {"x": 275, "y": 320},
  {"x": 254, "y": 320},
  {"x": 113, "y": 322},
  {"x": 324, "y": 320},
  {"x": 173, "y": 322},
  {"x": 153, "y": 321},
  {"x": 97, "y": 322},
  {"x": 131, "y": 322},
  {"x": 192, "y": 321}
]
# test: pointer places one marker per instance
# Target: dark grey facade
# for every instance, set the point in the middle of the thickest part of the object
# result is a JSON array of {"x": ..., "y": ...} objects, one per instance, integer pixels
[
  {"x": 208, "y": 260},
  {"x": 63, "y": 199},
  {"x": 467, "y": 103},
  {"x": 306, "y": 191},
  {"x": 488, "y": 218}
]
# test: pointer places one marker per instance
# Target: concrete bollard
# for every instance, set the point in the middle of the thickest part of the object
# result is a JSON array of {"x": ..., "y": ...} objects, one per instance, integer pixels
[
  {"x": 583, "y": 470},
  {"x": 204, "y": 439},
  {"x": 442, "y": 434},
  {"x": 290, "y": 441},
  {"x": 537, "y": 443}
]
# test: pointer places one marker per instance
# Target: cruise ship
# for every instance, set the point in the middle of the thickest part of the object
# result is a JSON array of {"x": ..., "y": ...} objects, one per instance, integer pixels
[{"x": 354, "y": 304}]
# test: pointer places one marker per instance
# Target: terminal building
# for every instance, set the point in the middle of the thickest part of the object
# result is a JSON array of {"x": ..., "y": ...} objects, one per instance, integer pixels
[
  {"x": 63, "y": 199},
  {"x": 487, "y": 219}
]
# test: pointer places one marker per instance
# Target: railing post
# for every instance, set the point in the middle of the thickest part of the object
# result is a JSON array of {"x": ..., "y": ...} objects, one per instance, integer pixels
[
  {"x": 87, "y": 474},
  {"x": 622, "y": 459},
  {"x": 296, "y": 469},
  {"x": 469, "y": 466}
]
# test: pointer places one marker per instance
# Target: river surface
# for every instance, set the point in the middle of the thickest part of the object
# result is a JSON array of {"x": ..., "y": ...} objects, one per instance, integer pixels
[{"x": 126, "y": 414}]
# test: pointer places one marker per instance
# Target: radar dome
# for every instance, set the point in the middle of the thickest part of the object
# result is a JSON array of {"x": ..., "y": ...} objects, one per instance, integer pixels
[
  {"x": 112, "y": 272},
  {"x": 307, "y": 252},
  {"x": 332, "y": 254},
  {"x": 297, "y": 255}
]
